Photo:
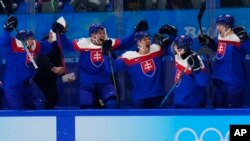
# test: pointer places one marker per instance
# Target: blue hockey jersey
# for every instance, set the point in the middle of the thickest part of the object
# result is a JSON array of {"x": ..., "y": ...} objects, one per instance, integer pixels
[
  {"x": 91, "y": 62},
  {"x": 190, "y": 86},
  {"x": 228, "y": 64},
  {"x": 145, "y": 71},
  {"x": 19, "y": 68}
]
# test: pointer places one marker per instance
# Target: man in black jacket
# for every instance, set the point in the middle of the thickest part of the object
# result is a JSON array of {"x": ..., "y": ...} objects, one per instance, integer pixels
[{"x": 50, "y": 68}]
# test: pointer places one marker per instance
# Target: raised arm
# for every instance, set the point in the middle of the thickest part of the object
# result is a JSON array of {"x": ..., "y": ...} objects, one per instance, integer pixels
[
  {"x": 61, "y": 37},
  {"x": 9, "y": 25}
]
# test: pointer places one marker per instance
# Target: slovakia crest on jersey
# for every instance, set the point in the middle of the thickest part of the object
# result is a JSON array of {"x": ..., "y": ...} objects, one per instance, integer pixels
[
  {"x": 148, "y": 67},
  {"x": 221, "y": 49},
  {"x": 96, "y": 58}
]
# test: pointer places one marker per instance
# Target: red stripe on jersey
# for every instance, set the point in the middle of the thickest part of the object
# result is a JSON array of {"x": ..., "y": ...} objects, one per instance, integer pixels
[
  {"x": 182, "y": 68},
  {"x": 15, "y": 47},
  {"x": 117, "y": 43},
  {"x": 38, "y": 47},
  {"x": 236, "y": 44},
  {"x": 20, "y": 49},
  {"x": 77, "y": 48}
]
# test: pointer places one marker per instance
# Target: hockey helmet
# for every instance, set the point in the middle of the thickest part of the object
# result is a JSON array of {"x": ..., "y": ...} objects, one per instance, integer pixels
[
  {"x": 25, "y": 34},
  {"x": 183, "y": 42},
  {"x": 226, "y": 20},
  {"x": 140, "y": 35},
  {"x": 94, "y": 28}
]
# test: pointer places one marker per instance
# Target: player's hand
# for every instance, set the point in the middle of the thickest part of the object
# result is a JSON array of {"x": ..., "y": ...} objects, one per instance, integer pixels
[
  {"x": 205, "y": 40},
  {"x": 241, "y": 33},
  {"x": 10, "y": 23},
  {"x": 194, "y": 62},
  {"x": 58, "y": 70},
  {"x": 141, "y": 26},
  {"x": 58, "y": 28},
  {"x": 106, "y": 46},
  {"x": 162, "y": 39},
  {"x": 168, "y": 29}
]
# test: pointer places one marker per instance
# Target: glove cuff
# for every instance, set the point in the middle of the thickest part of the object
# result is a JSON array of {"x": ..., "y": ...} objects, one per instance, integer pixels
[{"x": 7, "y": 29}]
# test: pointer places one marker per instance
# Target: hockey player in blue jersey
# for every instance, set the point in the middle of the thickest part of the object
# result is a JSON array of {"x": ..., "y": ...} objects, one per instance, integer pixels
[
  {"x": 191, "y": 76},
  {"x": 18, "y": 91},
  {"x": 144, "y": 68},
  {"x": 228, "y": 65},
  {"x": 95, "y": 81}
]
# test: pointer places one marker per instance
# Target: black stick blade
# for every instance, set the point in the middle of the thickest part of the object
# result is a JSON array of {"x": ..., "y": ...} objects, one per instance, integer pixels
[{"x": 200, "y": 14}]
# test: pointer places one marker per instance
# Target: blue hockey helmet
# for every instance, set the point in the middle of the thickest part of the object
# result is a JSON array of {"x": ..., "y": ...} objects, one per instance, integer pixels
[
  {"x": 94, "y": 28},
  {"x": 226, "y": 20},
  {"x": 25, "y": 34},
  {"x": 183, "y": 42},
  {"x": 140, "y": 35}
]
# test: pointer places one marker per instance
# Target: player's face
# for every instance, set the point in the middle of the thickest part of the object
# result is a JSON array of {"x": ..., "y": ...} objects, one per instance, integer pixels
[
  {"x": 177, "y": 51},
  {"x": 98, "y": 37},
  {"x": 222, "y": 30},
  {"x": 145, "y": 43},
  {"x": 51, "y": 37},
  {"x": 30, "y": 41}
]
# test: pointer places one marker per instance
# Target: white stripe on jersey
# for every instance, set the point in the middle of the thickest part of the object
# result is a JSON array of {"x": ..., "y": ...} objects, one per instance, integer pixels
[
  {"x": 133, "y": 54},
  {"x": 85, "y": 43}
]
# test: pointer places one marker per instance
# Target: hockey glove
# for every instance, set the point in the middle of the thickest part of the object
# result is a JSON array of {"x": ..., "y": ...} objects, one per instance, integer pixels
[
  {"x": 106, "y": 47},
  {"x": 168, "y": 29},
  {"x": 162, "y": 39},
  {"x": 194, "y": 63},
  {"x": 205, "y": 40},
  {"x": 10, "y": 23},
  {"x": 58, "y": 28},
  {"x": 241, "y": 33},
  {"x": 141, "y": 26}
]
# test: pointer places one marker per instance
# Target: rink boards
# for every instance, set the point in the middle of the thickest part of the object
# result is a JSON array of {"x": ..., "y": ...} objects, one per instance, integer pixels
[{"x": 121, "y": 125}]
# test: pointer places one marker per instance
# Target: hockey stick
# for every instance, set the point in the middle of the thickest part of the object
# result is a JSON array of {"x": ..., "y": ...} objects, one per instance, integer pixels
[
  {"x": 173, "y": 87},
  {"x": 112, "y": 69},
  {"x": 200, "y": 15},
  {"x": 17, "y": 32}
]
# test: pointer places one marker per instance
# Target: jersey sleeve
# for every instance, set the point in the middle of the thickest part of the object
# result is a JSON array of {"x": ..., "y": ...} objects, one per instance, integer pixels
[
  {"x": 126, "y": 43},
  {"x": 65, "y": 43},
  {"x": 117, "y": 64}
]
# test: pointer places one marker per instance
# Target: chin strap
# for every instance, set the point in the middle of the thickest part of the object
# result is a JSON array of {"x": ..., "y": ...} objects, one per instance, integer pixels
[
  {"x": 225, "y": 32},
  {"x": 141, "y": 47},
  {"x": 95, "y": 39}
]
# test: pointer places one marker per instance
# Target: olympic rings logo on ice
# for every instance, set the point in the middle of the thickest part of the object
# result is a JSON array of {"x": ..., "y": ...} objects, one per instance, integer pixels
[{"x": 200, "y": 138}]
